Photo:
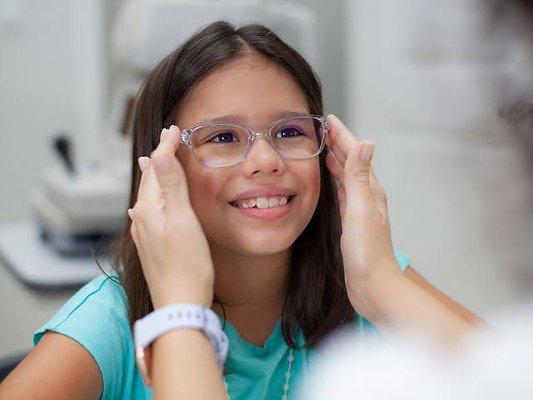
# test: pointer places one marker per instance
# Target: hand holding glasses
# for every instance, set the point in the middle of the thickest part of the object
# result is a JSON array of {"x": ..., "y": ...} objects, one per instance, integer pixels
[{"x": 217, "y": 145}]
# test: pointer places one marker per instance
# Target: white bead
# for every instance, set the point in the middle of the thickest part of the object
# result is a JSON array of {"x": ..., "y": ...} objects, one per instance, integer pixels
[
  {"x": 226, "y": 385},
  {"x": 286, "y": 386}
]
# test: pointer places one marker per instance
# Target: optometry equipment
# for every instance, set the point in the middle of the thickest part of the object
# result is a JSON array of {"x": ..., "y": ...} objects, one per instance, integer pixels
[{"x": 78, "y": 205}]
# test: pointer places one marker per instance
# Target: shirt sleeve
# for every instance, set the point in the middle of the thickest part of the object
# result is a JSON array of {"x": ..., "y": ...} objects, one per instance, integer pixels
[
  {"x": 402, "y": 259},
  {"x": 96, "y": 318},
  {"x": 364, "y": 326}
]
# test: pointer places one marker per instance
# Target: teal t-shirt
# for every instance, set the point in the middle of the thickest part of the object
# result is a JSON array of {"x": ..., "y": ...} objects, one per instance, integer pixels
[{"x": 96, "y": 317}]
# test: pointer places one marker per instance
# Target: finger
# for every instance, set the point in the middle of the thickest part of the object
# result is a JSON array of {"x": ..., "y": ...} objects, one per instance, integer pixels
[
  {"x": 381, "y": 200},
  {"x": 341, "y": 139},
  {"x": 341, "y": 194},
  {"x": 149, "y": 191},
  {"x": 338, "y": 173},
  {"x": 133, "y": 227},
  {"x": 169, "y": 172},
  {"x": 374, "y": 184},
  {"x": 373, "y": 178},
  {"x": 333, "y": 151},
  {"x": 170, "y": 141},
  {"x": 357, "y": 179},
  {"x": 335, "y": 168},
  {"x": 143, "y": 162}
]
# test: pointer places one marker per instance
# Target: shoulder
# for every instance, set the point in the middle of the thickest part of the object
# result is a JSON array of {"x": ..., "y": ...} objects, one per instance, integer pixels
[
  {"x": 103, "y": 297},
  {"x": 96, "y": 317}
]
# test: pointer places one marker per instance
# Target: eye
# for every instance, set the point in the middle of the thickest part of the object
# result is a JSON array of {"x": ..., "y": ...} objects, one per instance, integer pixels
[
  {"x": 288, "y": 132},
  {"x": 224, "y": 137}
]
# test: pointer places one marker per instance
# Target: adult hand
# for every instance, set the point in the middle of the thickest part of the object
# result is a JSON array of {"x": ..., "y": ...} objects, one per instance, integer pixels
[
  {"x": 170, "y": 241},
  {"x": 366, "y": 242}
]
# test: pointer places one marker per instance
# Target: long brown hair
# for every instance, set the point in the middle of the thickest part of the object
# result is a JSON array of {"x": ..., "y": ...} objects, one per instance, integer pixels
[{"x": 316, "y": 300}]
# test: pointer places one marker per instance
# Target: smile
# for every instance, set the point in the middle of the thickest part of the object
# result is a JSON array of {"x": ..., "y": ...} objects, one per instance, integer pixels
[
  {"x": 263, "y": 202},
  {"x": 265, "y": 208}
]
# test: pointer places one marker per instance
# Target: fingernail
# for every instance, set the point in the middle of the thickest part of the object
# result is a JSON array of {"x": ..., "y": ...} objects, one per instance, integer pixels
[
  {"x": 367, "y": 150},
  {"x": 175, "y": 131},
  {"x": 130, "y": 213},
  {"x": 171, "y": 131},
  {"x": 163, "y": 134},
  {"x": 143, "y": 163}
]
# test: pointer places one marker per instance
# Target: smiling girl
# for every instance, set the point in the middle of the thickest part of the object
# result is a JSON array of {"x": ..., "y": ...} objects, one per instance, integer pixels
[{"x": 248, "y": 201}]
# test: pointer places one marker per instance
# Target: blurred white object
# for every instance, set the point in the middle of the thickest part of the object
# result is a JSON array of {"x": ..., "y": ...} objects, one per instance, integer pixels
[
  {"x": 497, "y": 364},
  {"x": 11, "y": 12},
  {"x": 75, "y": 205},
  {"x": 36, "y": 264}
]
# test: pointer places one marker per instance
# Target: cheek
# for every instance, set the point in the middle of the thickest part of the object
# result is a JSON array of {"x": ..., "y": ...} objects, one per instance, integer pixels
[
  {"x": 314, "y": 181},
  {"x": 314, "y": 189},
  {"x": 310, "y": 182},
  {"x": 203, "y": 194},
  {"x": 207, "y": 202}
]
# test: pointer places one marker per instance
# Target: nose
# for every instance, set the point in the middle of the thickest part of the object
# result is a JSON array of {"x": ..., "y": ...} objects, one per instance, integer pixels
[{"x": 263, "y": 158}]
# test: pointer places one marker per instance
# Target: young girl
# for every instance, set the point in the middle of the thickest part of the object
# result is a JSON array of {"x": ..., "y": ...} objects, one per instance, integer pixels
[{"x": 269, "y": 214}]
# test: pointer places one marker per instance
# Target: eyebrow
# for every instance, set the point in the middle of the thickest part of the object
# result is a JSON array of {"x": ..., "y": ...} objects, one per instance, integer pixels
[{"x": 232, "y": 118}]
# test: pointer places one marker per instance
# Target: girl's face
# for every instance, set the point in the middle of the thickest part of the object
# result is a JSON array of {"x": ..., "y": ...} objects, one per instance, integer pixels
[{"x": 255, "y": 92}]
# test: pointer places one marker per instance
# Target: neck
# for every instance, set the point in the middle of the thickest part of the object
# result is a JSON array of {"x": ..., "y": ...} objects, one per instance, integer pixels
[{"x": 250, "y": 283}]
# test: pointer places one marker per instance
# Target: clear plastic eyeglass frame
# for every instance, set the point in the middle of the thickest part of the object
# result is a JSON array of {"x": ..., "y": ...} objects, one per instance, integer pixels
[{"x": 188, "y": 132}]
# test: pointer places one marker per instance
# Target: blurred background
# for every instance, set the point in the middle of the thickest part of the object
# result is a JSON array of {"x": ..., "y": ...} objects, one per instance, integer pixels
[{"x": 443, "y": 88}]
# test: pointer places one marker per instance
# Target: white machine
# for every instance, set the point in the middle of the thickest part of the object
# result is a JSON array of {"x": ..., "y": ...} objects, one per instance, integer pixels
[{"x": 77, "y": 206}]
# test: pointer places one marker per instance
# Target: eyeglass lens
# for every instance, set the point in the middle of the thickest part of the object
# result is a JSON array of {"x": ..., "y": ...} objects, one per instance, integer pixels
[{"x": 220, "y": 145}]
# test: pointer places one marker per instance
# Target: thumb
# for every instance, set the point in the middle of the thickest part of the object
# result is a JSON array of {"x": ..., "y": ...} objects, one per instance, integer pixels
[{"x": 357, "y": 172}]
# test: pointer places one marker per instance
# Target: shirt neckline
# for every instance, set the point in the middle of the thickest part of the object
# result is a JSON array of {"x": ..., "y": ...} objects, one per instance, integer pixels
[{"x": 273, "y": 341}]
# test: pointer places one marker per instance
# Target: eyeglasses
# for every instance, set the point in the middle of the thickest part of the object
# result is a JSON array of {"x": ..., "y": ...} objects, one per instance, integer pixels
[{"x": 217, "y": 145}]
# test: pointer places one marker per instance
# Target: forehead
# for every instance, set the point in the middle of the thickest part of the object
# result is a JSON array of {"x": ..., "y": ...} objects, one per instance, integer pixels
[{"x": 257, "y": 90}]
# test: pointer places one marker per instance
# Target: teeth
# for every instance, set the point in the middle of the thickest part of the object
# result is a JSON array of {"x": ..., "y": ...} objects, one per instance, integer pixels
[
  {"x": 262, "y": 202},
  {"x": 273, "y": 202}
]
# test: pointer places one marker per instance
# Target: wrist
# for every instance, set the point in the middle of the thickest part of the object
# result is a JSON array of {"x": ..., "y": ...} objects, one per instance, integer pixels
[
  {"x": 369, "y": 295},
  {"x": 158, "y": 328}
]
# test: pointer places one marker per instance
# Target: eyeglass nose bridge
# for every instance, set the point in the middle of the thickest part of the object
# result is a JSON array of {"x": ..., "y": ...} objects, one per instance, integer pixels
[{"x": 268, "y": 137}]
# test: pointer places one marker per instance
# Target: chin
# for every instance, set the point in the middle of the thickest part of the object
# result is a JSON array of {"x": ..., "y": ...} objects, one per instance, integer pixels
[
  {"x": 257, "y": 244},
  {"x": 266, "y": 245}
]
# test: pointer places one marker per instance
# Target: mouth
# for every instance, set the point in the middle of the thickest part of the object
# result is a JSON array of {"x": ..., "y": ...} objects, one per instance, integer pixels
[
  {"x": 263, "y": 203},
  {"x": 258, "y": 208}
]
